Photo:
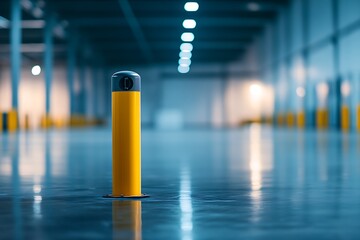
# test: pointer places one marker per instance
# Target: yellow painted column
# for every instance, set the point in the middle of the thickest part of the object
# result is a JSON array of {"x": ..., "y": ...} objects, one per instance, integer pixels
[
  {"x": 290, "y": 119},
  {"x": 46, "y": 121},
  {"x": 301, "y": 119},
  {"x": 345, "y": 118},
  {"x": 12, "y": 120},
  {"x": 126, "y": 135},
  {"x": 322, "y": 118}
]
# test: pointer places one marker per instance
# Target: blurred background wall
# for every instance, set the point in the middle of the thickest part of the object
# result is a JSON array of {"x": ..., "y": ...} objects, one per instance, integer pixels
[{"x": 301, "y": 69}]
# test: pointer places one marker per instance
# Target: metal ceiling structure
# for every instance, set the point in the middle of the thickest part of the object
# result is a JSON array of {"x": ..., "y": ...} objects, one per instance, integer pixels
[{"x": 140, "y": 32}]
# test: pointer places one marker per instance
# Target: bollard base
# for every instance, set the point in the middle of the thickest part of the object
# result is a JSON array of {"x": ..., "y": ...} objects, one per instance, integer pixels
[{"x": 126, "y": 197}]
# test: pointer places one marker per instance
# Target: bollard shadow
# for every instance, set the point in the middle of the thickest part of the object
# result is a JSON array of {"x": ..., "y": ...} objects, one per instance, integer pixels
[{"x": 126, "y": 219}]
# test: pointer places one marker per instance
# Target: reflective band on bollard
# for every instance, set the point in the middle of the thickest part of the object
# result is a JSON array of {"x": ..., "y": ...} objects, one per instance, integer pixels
[{"x": 126, "y": 135}]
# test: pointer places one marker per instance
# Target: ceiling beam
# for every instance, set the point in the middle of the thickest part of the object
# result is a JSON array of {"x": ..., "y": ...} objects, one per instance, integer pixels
[
  {"x": 128, "y": 47},
  {"x": 170, "y": 22},
  {"x": 25, "y": 24},
  {"x": 32, "y": 48},
  {"x": 136, "y": 29},
  {"x": 205, "y": 45},
  {"x": 143, "y": 5},
  {"x": 244, "y": 5}
]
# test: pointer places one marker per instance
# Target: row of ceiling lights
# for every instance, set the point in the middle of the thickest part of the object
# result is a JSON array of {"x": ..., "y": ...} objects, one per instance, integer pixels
[{"x": 187, "y": 37}]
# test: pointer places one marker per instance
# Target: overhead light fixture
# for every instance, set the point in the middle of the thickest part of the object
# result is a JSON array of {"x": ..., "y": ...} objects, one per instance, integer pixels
[
  {"x": 184, "y": 61},
  {"x": 189, "y": 23},
  {"x": 186, "y": 47},
  {"x": 300, "y": 91},
  {"x": 183, "y": 69},
  {"x": 253, "y": 6},
  {"x": 4, "y": 23},
  {"x": 38, "y": 13},
  {"x": 191, "y": 6},
  {"x": 187, "y": 37},
  {"x": 255, "y": 89},
  {"x": 322, "y": 90},
  {"x": 26, "y": 4},
  {"x": 185, "y": 54},
  {"x": 345, "y": 88},
  {"x": 36, "y": 70}
]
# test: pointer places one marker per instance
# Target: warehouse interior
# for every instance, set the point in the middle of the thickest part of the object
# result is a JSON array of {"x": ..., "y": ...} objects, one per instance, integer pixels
[{"x": 250, "y": 118}]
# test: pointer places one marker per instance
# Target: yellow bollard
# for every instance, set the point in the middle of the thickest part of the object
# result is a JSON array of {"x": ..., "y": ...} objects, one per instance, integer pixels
[
  {"x": 126, "y": 135},
  {"x": 345, "y": 118}
]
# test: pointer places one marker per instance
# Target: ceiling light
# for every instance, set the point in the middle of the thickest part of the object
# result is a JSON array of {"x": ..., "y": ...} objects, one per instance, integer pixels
[
  {"x": 186, "y": 47},
  {"x": 4, "y": 23},
  {"x": 253, "y": 6},
  {"x": 189, "y": 23},
  {"x": 187, "y": 37},
  {"x": 322, "y": 89},
  {"x": 37, "y": 12},
  {"x": 185, "y": 54},
  {"x": 183, "y": 69},
  {"x": 27, "y": 4},
  {"x": 345, "y": 88},
  {"x": 191, "y": 6},
  {"x": 300, "y": 91},
  {"x": 255, "y": 89},
  {"x": 36, "y": 70},
  {"x": 184, "y": 61}
]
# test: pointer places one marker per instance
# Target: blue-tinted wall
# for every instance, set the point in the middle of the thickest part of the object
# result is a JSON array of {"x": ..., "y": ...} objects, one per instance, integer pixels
[{"x": 312, "y": 49}]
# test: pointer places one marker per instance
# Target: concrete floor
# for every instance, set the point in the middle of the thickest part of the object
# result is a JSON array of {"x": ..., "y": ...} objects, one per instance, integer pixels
[{"x": 256, "y": 182}]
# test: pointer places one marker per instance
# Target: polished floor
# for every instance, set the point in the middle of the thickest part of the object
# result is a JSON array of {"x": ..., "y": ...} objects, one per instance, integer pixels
[{"x": 249, "y": 183}]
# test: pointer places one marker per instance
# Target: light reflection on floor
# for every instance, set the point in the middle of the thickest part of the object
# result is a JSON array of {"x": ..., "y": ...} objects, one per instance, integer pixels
[{"x": 255, "y": 182}]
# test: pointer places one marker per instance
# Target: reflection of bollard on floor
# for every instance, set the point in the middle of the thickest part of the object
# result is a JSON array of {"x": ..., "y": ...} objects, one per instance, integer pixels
[
  {"x": 126, "y": 216},
  {"x": 126, "y": 135}
]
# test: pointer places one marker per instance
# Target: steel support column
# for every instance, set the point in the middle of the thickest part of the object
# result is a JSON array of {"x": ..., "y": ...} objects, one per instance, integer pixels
[
  {"x": 71, "y": 64},
  {"x": 337, "y": 78},
  {"x": 15, "y": 50},
  {"x": 81, "y": 105},
  {"x": 48, "y": 58},
  {"x": 310, "y": 94},
  {"x": 95, "y": 88}
]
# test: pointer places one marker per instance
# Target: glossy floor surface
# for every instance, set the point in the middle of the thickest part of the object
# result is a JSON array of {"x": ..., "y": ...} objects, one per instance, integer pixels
[{"x": 250, "y": 183}]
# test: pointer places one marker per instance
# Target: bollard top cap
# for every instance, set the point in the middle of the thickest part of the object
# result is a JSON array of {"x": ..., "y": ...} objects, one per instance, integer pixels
[{"x": 124, "y": 81}]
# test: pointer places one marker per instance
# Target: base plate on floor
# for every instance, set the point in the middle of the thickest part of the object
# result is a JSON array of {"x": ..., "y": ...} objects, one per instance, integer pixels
[{"x": 126, "y": 197}]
